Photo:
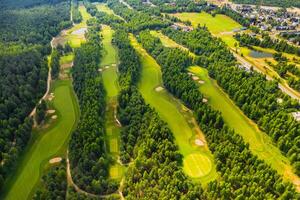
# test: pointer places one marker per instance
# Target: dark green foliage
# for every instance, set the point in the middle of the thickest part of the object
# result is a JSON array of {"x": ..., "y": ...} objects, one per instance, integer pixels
[
  {"x": 267, "y": 42},
  {"x": 41, "y": 112},
  {"x": 280, "y": 3},
  {"x": 147, "y": 140},
  {"x": 76, "y": 15},
  {"x": 256, "y": 96},
  {"x": 5, "y": 4},
  {"x": 89, "y": 161},
  {"x": 54, "y": 64},
  {"x": 243, "y": 174},
  {"x": 54, "y": 184}
]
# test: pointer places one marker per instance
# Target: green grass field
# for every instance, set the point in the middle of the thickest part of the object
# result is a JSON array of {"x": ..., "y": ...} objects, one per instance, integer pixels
[
  {"x": 180, "y": 121},
  {"x": 104, "y": 8},
  {"x": 216, "y": 25},
  {"x": 45, "y": 144},
  {"x": 108, "y": 64}
]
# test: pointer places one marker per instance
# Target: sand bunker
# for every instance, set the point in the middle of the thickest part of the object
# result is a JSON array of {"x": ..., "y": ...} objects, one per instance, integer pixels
[
  {"x": 99, "y": 70},
  {"x": 195, "y": 78},
  {"x": 159, "y": 88},
  {"x": 204, "y": 100},
  {"x": 201, "y": 82},
  {"x": 55, "y": 160},
  {"x": 80, "y": 31},
  {"x": 114, "y": 65},
  {"x": 199, "y": 142},
  {"x": 106, "y": 67},
  {"x": 50, "y": 111},
  {"x": 190, "y": 73},
  {"x": 51, "y": 96},
  {"x": 54, "y": 117}
]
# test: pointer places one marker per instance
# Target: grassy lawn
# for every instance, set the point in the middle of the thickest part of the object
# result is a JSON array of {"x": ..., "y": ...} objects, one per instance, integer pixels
[
  {"x": 110, "y": 80},
  {"x": 66, "y": 59},
  {"x": 216, "y": 25},
  {"x": 104, "y": 8},
  {"x": 45, "y": 144},
  {"x": 179, "y": 118}
]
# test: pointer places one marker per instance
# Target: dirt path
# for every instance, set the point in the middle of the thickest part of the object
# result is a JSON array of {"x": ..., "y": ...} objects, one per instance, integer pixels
[{"x": 49, "y": 78}]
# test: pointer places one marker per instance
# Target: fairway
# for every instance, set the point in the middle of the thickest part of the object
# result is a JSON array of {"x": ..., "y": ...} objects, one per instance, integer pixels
[
  {"x": 216, "y": 25},
  {"x": 178, "y": 118},
  {"x": 260, "y": 143},
  {"x": 109, "y": 73},
  {"x": 46, "y": 145},
  {"x": 104, "y": 8}
]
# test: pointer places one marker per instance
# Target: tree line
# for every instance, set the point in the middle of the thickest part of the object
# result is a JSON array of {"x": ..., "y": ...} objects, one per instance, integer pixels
[
  {"x": 257, "y": 97},
  {"x": 88, "y": 158},
  {"x": 243, "y": 174}
]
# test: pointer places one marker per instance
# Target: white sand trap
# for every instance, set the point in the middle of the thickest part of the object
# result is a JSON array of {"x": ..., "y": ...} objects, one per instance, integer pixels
[
  {"x": 204, "y": 100},
  {"x": 190, "y": 73},
  {"x": 99, "y": 70},
  {"x": 50, "y": 111},
  {"x": 195, "y": 78},
  {"x": 114, "y": 65},
  {"x": 80, "y": 31},
  {"x": 201, "y": 82},
  {"x": 54, "y": 117},
  {"x": 159, "y": 88},
  {"x": 199, "y": 142},
  {"x": 106, "y": 67},
  {"x": 55, "y": 160}
]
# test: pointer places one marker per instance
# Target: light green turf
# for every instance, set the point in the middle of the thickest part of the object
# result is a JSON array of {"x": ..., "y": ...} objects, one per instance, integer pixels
[
  {"x": 110, "y": 80},
  {"x": 260, "y": 143},
  {"x": 192, "y": 166},
  {"x": 104, "y": 8},
  {"x": 216, "y": 25},
  {"x": 45, "y": 145},
  {"x": 66, "y": 59},
  {"x": 179, "y": 119}
]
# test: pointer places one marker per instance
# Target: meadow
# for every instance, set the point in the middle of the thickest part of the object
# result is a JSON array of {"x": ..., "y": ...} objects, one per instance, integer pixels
[
  {"x": 45, "y": 144},
  {"x": 179, "y": 119}
]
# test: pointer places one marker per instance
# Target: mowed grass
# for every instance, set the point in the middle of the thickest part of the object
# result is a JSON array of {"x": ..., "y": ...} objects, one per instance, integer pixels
[
  {"x": 260, "y": 143},
  {"x": 104, "y": 8},
  {"x": 45, "y": 144},
  {"x": 193, "y": 167},
  {"x": 109, "y": 72},
  {"x": 216, "y": 25},
  {"x": 175, "y": 114},
  {"x": 66, "y": 59}
]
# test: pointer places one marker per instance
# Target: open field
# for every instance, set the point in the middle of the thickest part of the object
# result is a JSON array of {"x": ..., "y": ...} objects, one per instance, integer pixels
[
  {"x": 110, "y": 80},
  {"x": 260, "y": 143},
  {"x": 222, "y": 26},
  {"x": 46, "y": 144},
  {"x": 104, "y": 8},
  {"x": 216, "y": 25},
  {"x": 179, "y": 118}
]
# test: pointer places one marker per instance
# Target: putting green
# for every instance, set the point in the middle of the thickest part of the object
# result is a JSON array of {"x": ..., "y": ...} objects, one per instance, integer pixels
[
  {"x": 45, "y": 144},
  {"x": 197, "y": 165},
  {"x": 179, "y": 119}
]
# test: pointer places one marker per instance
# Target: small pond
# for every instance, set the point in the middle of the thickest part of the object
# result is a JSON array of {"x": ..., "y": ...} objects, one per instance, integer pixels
[
  {"x": 80, "y": 31},
  {"x": 260, "y": 54}
]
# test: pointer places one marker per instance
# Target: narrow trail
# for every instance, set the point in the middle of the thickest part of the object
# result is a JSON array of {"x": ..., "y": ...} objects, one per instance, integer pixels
[{"x": 49, "y": 78}]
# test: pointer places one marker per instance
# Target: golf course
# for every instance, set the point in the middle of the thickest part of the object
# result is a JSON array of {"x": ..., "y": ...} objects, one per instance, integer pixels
[
  {"x": 260, "y": 143},
  {"x": 198, "y": 160},
  {"x": 108, "y": 67}
]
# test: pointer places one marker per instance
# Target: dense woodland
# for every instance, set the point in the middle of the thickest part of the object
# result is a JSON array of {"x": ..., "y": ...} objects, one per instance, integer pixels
[
  {"x": 88, "y": 158},
  {"x": 280, "y": 3},
  {"x": 24, "y": 46},
  {"x": 54, "y": 183},
  {"x": 243, "y": 174},
  {"x": 76, "y": 15},
  {"x": 257, "y": 97}
]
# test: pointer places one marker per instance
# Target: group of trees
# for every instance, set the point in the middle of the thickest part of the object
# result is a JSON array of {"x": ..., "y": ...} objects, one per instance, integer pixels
[
  {"x": 257, "y": 97},
  {"x": 54, "y": 183},
  {"x": 267, "y": 42},
  {"x": 146, "y": 141},
  {"x": 76, "y": 15},
  {"x": 278, "y": 3},
  {"x": 243, "y": 174},
  {"x": 88, "y": 158}
]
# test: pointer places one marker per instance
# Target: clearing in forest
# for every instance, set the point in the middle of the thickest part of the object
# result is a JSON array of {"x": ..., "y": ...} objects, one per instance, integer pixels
[
  {"x": 104, "y": 8},
  {"x": 260, "y": 143},
  {"x": 45, "y": 144},
  {"x": 179, "y": 119},
  {"x": 110, "y": 80}
]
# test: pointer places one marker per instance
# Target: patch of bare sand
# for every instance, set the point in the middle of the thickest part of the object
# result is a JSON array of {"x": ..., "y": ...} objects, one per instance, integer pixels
[{"x": 55, "y": 160}]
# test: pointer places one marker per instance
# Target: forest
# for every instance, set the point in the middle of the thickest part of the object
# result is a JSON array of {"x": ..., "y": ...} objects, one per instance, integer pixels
[
  {"x": 251, "y": 91},
  {"x": 24, "y": 47},
  {"x": 279, "y": 3},
  {"x": 228, "y": 148}
]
